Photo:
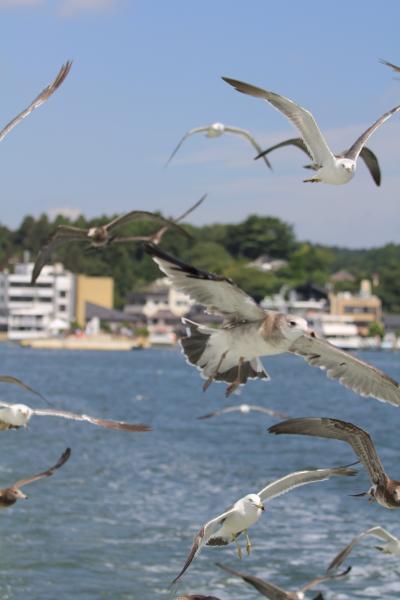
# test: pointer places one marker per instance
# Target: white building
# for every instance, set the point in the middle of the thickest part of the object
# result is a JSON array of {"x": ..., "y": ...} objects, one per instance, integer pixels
[{"x": 32, "y": 311}]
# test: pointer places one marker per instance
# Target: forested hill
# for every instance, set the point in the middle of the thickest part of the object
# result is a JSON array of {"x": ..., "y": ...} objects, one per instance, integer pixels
[{"x": 222, "y": 248}]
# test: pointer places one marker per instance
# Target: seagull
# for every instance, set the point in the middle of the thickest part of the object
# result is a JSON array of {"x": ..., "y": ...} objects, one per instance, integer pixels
[
  {"x": 392, "y": 545},
  {"x": 384, "y": 490},
  {"x": 39, "y": 100},
  {"x": 216, "y": 130},
  {"x": 391, "y": 65},
  {"x": 330, "y": 168},
  {"x": 98, "y": 237},
  {"x": 227, "y": 527},
  {"x": 9, "y": 495},
  {"x": 366, "y": 154},
  {"x": 14, "y": 416},
  {"x": 273, "y": 592},
  {"x": 231, "y": 353},
  {"x": 244, "y": 409}
]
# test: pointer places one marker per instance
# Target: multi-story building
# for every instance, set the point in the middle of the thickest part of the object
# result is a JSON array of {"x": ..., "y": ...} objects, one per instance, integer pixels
[{"x": 364, "y": 308}]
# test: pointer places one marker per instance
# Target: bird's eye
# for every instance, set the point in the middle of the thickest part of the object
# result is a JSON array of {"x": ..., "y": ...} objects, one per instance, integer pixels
[{"x": 292, "y": 323}]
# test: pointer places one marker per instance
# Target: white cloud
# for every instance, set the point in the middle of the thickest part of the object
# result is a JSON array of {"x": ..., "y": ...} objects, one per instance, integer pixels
[
  {"x": 64, "y": 211},
  {"x": 70, "y": 8}
]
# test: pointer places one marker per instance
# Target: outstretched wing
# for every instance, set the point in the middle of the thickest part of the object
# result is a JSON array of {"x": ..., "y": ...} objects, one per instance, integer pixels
[
  {"x": 201, "y": 538},
  {"x": 359, "y": 376},
  {"x": 135, "y": 215},
  {"x": 269, "y": 590},
  {"x": 335, "y": 429},
  {"x": 217, "y": 293},
  {"x": 389, "y": 64},
  {"x": 187, "y": 134},
  {"x": 43, "y": 96},
  {"x": 63, "y": 234},
  {"x": 246, "y": 134},
  {"x": 21, "y": 384},
  {"x": 61, "y": 461},
  {"x": 356, "y": 148},
  {"x": 297, "y": 142},
  {"x": 378, "y": 532},
  {"x": 327, "y": 577},
  {"x": 118, "y": 425},
  {"x": 293, "y": 480},
  {"x": 299, "y": 116},
  {"x": 372, "y": 164}
]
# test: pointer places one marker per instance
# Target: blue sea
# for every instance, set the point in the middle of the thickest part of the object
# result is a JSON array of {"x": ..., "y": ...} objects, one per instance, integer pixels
[{"x": 117, "y": 521}]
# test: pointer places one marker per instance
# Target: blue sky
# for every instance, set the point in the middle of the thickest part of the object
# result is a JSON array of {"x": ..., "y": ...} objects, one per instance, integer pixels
[{"x": 145, "y": 72}]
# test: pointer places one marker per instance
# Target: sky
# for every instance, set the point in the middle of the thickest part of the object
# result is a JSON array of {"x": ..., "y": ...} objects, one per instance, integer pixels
[{"x": 145, "y": 72}]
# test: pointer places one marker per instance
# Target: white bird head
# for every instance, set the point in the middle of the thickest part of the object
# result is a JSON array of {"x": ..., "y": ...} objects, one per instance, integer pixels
[
  {"x": 254, "y": 501},
  {"x": 347, "y": 164},
  {"x": 19, "y": 414},
  {"x": 293, "y": 327},
  {"x": 215, "y": 130}
]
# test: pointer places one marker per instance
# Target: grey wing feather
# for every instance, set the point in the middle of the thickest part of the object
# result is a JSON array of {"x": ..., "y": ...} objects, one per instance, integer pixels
[
  {"x": 40, "y": 99},
  {"x": 299, "y": 116},
  {"x": 145, "y": 215},
  {"x": 359, "y": 376},
  {"x": 297, "y": 142},
  {"x": 251, "y": 139},
  {"x": 372, "y": 164},
  {"x": 21, "y": 384},
  {"x": 187, "y": 134},
  {"x": 327, "y": 577},
  {"x": 267, "y": 589},
  {"x": 389, "y": 64},
  {"x": 61, "y": 461},
  {"x": 191, "y": 209},
  {"x": 201, "y": 538},
  {"x": 63, "y": 234},
  {"x": 358, "y": 439},
  {"x": 356, "y": 148},
  {"x": 299, "y": 478},
  {"x": 219, "y": 294},
  {"x": 109, "y": 424},
  {"x": 343, "y": 554}
]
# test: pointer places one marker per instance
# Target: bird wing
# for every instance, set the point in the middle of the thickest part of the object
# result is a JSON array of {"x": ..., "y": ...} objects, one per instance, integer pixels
[
  {"x": 143, "y": 214},
  {"x": 217, "y": 413},
  {"x": 187, "y": 134},
  {"x": 219, "y": 294},
  {"x": 62, "y": 460},
  {"x": 191, "y": 209},
  {"x": 202, "y": 537},
  {"x": 299, "y": 116},
  {"x": 358, "y": 439},
  {"x": 63, "y": 234},
  {"x": 327, "y": 577},
  {"x": 119, "y": 425},
  {"x": 298, "y": 142},
  {"x": 353, "y": 373},
  {"x": 43, "y": 96},
  {"x": 356, "y": 148},
  {"x": 21, "y": 384},
  {"x": 372, "y": 164},
  {"x": 246, "y": 134},
  {"x": 378, "y": 532},
  {"x": 268, "y": 411},
  {"x": 269, "y": 590},
  {"x": 293, "y": 480},
  {"x": 389, "y": 64}
]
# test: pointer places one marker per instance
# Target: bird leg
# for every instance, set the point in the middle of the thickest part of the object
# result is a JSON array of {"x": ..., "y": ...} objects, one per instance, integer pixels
[
  {"x": 235, "y": 384},
  {"x": 248, "y": 542},
  {"x": 209, "y": 381},
  {"x": 312, "y": 180},
  {"x": 238, "y": 548}
]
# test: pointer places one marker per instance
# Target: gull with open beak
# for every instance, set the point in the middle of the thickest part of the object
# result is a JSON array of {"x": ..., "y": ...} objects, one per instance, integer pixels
[{"x": 227, "y": 527}]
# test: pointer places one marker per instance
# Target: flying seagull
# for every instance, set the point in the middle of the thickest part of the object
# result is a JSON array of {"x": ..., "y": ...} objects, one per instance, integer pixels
[
  {"x": 9, "y": 495},
  {"x": 14, "y": 416},
  {"x": 384, "y": 490},
  {"x": 216, "y": 130},
  {"x": 39, "y": 100},
  {"x": 244, "y": 409},
  {"x": 273, "y": 592},
  {"x": 330, "y": 168},
  {"x": 391, "y": 65},
  {"x": 98, "y": 237},
  {"x": 227, "y": 527},
  {"x": 391, "y": 546},
  {"x": 366, "y": 154},
  {"x": 231, "y": 353}
]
